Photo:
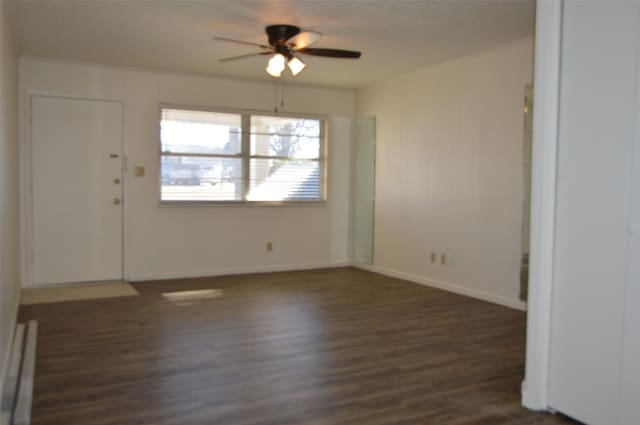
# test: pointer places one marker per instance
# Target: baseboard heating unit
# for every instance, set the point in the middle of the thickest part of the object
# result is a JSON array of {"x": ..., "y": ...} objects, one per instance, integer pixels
[{"x": 17, "y": 394}]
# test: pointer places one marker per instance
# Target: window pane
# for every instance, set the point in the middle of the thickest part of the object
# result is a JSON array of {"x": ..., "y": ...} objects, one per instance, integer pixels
[
  {"x": 188, "y": 178},
  {"x": 292, "y": 146},
  {"x": 284, "y": 180},
  {"x": 285, "y": 137},
  {"x": 200, "y": 132}
]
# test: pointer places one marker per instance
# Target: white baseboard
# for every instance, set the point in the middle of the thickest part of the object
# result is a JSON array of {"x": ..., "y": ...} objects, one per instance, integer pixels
[
  {"x": 226, "y": 271},
  {"x": 447, "y": 286}
]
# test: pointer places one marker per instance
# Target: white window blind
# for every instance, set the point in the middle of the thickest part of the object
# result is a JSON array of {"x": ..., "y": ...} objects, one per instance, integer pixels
[
  {"x": 285, "y": 159},
  {"x": 200, "y": 156},
  {"x": 214, "y": 157}
]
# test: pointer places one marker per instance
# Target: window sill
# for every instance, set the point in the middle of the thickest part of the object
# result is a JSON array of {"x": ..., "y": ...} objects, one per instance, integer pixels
[{"x": 199, "y": 204}]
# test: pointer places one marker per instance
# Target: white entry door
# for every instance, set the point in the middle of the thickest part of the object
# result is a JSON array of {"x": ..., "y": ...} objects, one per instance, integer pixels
[{"x": 76, "y": 176}]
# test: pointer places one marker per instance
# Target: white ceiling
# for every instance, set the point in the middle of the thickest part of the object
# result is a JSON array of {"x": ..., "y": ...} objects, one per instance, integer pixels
[{"x": 395, "y": 36}]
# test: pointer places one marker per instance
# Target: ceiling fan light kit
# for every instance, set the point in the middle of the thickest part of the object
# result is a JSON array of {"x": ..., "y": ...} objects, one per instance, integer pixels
[
  {"x": 296, "y": 66},
  {"x": 275, "y": 66},
  {"x": 285, "y": 42}
]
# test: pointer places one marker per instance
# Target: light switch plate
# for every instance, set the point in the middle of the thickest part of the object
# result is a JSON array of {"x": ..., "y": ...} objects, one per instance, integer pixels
[{"x": 138, "y": 171}]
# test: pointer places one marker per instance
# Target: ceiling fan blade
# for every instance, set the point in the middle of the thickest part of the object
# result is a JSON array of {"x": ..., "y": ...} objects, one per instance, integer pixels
[
  {"x": 304, "y": 39},
  {"x": 243, "y": 56},
  {"x": 264, "y": 46},
  {"x": 331, "y": 53}
]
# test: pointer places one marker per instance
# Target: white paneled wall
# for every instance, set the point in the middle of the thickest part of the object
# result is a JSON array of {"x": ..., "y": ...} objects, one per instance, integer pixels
[
  {"x": 9, "y": 200},
  {"x": 164, "y": 242},
  {"x": 449, "y": 172}
]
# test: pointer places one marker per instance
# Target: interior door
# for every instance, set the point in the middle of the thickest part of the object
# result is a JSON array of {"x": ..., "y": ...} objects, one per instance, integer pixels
[
  {"x": 592, "y": 284},
  {"x": 76, "y": 176},
  {"x": 630, "y": 390}
]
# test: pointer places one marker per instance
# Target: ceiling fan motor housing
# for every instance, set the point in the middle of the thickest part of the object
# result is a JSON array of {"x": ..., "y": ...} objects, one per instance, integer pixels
[{"x": 279, "y": 34}]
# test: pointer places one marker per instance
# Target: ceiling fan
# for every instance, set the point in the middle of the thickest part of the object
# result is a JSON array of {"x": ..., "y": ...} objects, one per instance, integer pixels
[{"x": 286, "y": 42}]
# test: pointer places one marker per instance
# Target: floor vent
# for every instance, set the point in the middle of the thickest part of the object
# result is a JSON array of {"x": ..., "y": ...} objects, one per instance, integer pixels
[{"x": 18, "y": 388}]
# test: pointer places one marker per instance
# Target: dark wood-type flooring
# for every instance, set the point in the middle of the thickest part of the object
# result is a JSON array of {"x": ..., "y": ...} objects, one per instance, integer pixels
[{"x": 323, "y": 347}]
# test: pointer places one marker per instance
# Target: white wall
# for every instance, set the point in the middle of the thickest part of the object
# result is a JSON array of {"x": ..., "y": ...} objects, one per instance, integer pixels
[
  {"x": 163, "y": 242},
  {"x": 9, "y": 200},
  {"x": 449, "y": 172}
]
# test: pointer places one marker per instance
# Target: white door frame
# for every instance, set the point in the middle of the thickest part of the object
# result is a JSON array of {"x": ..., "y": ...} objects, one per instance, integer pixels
[
  {"x": 26, "y": 184},
  {"x": 548, "y": 47}
]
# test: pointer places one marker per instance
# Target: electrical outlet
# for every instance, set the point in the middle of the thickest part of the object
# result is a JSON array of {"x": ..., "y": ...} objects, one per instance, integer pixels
[
  {"x": 269, "y": 246},
  {"x": 443, "y": 259},
  {"x": 433, "y": 257}
]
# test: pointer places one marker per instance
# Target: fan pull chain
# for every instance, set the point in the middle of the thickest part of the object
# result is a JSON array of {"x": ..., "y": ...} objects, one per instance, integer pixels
[
  {"x": 275, "y": 95},
  {"x": 282, "y": 96},
  {"x": 275, "y": 106}
]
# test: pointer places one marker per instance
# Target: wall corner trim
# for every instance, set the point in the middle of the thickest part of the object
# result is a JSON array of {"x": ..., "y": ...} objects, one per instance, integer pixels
[{"x": 548, "y": 50}]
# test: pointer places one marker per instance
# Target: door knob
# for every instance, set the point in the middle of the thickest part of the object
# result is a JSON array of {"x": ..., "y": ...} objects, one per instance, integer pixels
[
  {"x": 116, "y": 201},
  {"x": 116, "y": 181}
]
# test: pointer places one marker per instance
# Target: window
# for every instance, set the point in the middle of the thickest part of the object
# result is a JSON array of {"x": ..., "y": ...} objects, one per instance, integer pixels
[{"x": 209, "y": 157}]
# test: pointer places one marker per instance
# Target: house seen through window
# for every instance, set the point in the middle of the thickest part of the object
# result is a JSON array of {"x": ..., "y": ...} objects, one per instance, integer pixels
[{"x": 239, "y": 157}]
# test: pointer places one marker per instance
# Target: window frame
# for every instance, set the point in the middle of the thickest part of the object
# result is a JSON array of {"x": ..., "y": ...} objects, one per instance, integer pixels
[{"x": 245, "y": 156}]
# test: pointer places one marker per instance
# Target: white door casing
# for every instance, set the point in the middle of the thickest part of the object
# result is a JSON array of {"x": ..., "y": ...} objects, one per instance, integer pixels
[{"x": 76, "y": 190}]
